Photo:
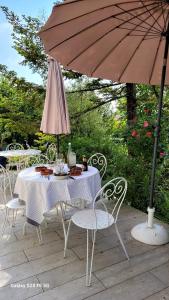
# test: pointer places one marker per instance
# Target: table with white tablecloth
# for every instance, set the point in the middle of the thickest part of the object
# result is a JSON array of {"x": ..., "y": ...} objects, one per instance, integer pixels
[
  {"x": 19, "y": 152},
  {"x": 42, "y": 194}
]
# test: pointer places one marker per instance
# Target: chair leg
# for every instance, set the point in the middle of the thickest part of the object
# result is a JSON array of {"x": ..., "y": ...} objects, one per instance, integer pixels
[
  {"x": 14, "y": 217},
  {"x": 121, "y": 241},
  {"x": 39, "y": 233},
  {"x": 92, "y": 255},
  {"x": 46, "y": 223},
  {"x": 24, "y": 228},
  {"x": 5, "y": 222},
  {"x": 87, "y": 259},
  {"x": 66, "y": 235}
]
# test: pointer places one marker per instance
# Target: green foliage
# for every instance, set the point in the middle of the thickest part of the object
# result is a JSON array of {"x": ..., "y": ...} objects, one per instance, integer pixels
[{"x": 20, "y": 107}]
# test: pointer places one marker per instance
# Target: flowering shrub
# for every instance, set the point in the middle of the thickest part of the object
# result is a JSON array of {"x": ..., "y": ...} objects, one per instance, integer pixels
[{"x": 141, "y": 136}]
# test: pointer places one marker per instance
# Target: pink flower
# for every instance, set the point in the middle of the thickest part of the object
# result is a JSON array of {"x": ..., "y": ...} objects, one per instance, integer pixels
[
  {"x": 146, "y": 124},
  {"x": 162, "y": 154}
]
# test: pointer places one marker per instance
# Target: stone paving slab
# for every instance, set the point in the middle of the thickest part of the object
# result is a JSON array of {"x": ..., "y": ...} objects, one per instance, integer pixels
[
  {"x": 136, "y": 288},
  {"x": 44, "y": 250},
  {"x": 12, "y": 259},
  {"x": 162, "y": 272},
  {"x": 21, "y": 290},
  {"x": 72, "y": 290},
  {"x": 25, "y": 243},
  {"x": 138, "y": 264},
  {"x": 32, "y": 268},
  {"x": 112, "y": 241},
  {"x": 163, "y": 295}
]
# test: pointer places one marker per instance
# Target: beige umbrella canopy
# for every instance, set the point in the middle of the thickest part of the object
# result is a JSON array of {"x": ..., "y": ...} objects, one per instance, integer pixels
[
  {"x": 120, "y": 40},
  {"x": 55, "y": 118}
]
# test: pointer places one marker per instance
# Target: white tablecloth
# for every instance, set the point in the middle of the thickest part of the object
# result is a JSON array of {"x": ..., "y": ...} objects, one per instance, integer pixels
[
  {"x": 41, "y": 194},
  {"x": 16, "y": 153}
]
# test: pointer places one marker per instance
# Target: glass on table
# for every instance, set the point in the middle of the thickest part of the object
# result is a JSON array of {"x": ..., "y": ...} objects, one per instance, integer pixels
[{"x": 60, "y": 163}]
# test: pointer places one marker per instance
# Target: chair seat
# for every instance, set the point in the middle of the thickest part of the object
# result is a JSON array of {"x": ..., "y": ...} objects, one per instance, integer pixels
[
  {"x": 93, "y": 219},
  {"x": 15, "y": 204},
  {"x": 50, "y": 213}
]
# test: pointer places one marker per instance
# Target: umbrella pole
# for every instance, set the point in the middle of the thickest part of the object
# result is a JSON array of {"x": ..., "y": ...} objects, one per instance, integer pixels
[
  {"x": 149, "y": 233},
  {"x": 157, "y": 130}
]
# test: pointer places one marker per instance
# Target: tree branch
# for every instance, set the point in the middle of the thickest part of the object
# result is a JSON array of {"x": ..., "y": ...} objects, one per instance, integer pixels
[{"x": 79, "y": 114}]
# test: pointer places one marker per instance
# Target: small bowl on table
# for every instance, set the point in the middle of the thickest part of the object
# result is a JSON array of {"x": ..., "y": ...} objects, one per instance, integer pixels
[
  {"x": 40, "y": 168},
  {"x": 75, "y": 171},
  {"x": 46, "y": 172}
]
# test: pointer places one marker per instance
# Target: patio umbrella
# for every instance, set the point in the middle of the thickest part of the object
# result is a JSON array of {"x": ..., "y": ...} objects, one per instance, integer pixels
[
  {"x": 120, "y": 40},
  {"x": 55, "y": 118}
]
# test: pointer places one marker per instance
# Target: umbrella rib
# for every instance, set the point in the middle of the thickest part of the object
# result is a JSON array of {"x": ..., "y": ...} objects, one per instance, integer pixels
[
  {"x": 134, "y": 9},
  {"x": 98, "y": 65},
  {"x": 91, "y": 11},
  {"x": 124, "y": 21},
  {"x": 98, "y": 41},
  {"x": 166, "y": 21},
  {"x": 151, "y": 15},
  {"x": 162, "y": 6},
  {"x": 135, "y": 52},
  {"x": 137, "y": 17}
]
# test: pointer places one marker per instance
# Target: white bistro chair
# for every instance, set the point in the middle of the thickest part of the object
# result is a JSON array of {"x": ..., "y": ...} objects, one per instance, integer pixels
[
  {"x": 10, "y": 203},
  {"x": 99, "y": 161},
  {"x": 51, "y": 153},
  {"x": 96, "y": 219},
  {"x": 14, "y": 146},
  {"x": 15, "y": 164},
  {"x": 35, "y": 160}
]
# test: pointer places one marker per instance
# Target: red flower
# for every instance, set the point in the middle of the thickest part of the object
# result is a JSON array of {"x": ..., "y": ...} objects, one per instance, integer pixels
[
  {"x": 149, "y": 134},
  {"x": 146, "y": 124},
  {"x": 162, "y": 154},
  {"x": 134, "y": 133}
]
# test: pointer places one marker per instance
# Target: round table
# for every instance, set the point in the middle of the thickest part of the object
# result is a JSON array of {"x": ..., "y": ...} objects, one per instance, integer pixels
[
  {"x": 17, "y": 153},
  {"x": 42, "y": 194}
]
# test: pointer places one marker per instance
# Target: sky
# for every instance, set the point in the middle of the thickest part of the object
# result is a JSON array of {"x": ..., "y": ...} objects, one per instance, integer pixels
[{"x": 8, "y": 55}]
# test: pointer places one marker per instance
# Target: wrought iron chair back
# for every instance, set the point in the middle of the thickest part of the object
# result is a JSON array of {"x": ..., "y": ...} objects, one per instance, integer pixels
[
  {"x": 37, "y": 160},
  {"x": 14, "y": 146},
  {"x": 5, "y": 184},
  {"x": 114, "y": 191},
  {"x": 99, "y": 161},
  {"x": 51, "y": 152}
]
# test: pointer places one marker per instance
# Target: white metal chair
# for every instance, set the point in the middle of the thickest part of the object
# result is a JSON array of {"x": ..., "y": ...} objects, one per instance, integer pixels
[
  {"x": 35, "y": 160},
  {"x": 15, "y": 164},
  {"x": 51, "y": 153},
  {"x": 99, "y": 161},
  {"x": 13, "y": 204},
  {"x": 96, "y": 219},
  {"x": 14, "y": 146}
]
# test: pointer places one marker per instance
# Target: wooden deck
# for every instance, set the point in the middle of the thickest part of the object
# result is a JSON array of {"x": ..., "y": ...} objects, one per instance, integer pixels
[{"x": 32, "y": 271}]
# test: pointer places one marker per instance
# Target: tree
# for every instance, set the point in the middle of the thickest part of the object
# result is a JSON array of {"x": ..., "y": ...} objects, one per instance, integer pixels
[
  {"x": 20, "y": 106},
  {"x": 28, "y": 44}
]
